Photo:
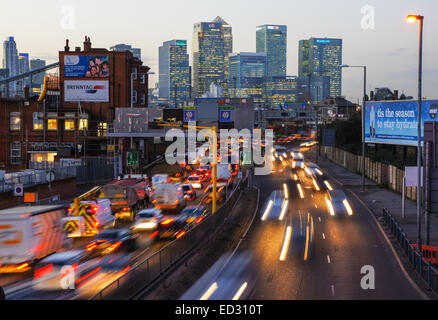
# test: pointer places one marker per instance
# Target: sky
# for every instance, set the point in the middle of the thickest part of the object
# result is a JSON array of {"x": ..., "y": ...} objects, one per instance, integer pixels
[{"x": 389, "y": 48}]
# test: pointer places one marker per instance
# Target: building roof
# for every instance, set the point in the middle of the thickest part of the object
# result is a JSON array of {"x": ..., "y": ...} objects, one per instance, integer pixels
[{"x": 220, "y": 20}]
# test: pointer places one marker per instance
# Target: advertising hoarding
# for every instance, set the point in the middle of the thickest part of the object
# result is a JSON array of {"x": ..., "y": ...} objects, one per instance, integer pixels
[
  {"x": 86, "y": 90},
  {"x": 86, "y": 66},
  {"x": 395, "y": 122}
]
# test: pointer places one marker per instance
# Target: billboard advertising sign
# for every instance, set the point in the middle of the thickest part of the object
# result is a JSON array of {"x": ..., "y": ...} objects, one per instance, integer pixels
[
  {"x": 86, "y": 90},
  {"x": 86, "y": 66},
  {"x": 395, "y": 122}
]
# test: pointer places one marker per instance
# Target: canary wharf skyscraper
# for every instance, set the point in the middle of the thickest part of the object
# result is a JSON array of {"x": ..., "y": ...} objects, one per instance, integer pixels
[
  {"x": 322, "y": 57},
  {"x": 272, "y": 39},
  {"x": 174, "y": 72},
  {"x": 212, "y": 42}
]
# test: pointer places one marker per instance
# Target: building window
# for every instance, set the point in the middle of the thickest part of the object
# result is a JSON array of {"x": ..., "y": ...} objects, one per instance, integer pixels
[
  {"x": 83, "y": 122},
  {"x": 69, "y": 122},
  {"x": 134, "y": 73},
  {"x": 143, "y": 98},
  {"x": 15, "y": 153},
  {"x": 52, "y": 121},
  {"x": 134, "y": 96},
  {"x": 101, "y": 129},
  {"x": 15, "y": 121},
  {"x": 38, "y": 123},
  {"x": 143, "y": 78}
]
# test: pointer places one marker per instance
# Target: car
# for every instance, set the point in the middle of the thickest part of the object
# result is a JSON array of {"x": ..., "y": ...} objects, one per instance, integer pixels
[
  {"x": 171, "y": 227},
  {"x": 205, "y": 167},
  {"x": 111, "y": 241},
  {"x": 337, "y": 203},
  {"x": 147, "y": 220},
  {"x": 194, "y": 214},
  {"x": 297, "y": 161},
  {"x": 221, "y": 193},
  {"x": 195, "y": 181},
  {"x": 189, "y": 192},
  {"x": 49, "y": 271},
  {"x": 177, "y": 177}
]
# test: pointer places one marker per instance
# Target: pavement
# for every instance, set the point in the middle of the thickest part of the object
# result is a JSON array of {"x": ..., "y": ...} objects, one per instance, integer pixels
[{"x": 377, "y": 198}]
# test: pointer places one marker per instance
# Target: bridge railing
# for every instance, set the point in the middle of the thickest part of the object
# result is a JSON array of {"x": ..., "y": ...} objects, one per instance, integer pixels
[{"x": 421, "y": 263}]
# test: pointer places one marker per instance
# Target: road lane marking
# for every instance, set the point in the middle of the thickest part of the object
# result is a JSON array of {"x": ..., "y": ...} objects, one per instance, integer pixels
[
  {"x": 209, "y": 292},
  {"x": 283, "y": 210},
  {"x": 323, "y": 236},
  {"x": 240, "y": 291},
  {"x": 328, "y": 259},
  {"x": 268, "y": 209}
]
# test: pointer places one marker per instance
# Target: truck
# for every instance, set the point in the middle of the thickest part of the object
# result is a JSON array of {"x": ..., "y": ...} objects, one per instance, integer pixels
[
  {"x": 168, "y": 196},
  {"x": 127, "y": 197},
  {"x": 28, "y": 234},
  {"x": 87, "y": 215}
]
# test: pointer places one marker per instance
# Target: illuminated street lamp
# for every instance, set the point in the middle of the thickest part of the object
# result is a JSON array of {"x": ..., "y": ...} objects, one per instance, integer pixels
[{"x": 412, "y": 19}]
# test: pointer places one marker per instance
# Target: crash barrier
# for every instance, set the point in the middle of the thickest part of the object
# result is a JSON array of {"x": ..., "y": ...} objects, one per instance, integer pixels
[
  {"x": 422, "y": 264},
  {"x": 150, "y": 269}
]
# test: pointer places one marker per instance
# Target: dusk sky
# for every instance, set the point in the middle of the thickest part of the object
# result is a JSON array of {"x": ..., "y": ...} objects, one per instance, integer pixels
[{"x": 390, "y": 50}]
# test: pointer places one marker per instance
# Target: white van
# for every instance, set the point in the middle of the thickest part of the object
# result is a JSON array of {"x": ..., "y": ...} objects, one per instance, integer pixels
[{"x": 168, "y": 196}]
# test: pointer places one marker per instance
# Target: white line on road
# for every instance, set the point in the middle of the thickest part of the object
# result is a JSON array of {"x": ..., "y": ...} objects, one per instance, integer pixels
[{"x": 328, "y": 259}]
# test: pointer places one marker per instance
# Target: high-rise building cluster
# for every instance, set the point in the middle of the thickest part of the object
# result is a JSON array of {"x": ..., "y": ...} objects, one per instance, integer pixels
[{"x": 217, "y": 71}]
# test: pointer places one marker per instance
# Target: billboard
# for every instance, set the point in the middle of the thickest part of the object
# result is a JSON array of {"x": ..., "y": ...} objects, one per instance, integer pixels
[
  {"x": 86, "y": 90},
  {"x": 395, "y": 122},
  {"x": 86, "y": 66}
]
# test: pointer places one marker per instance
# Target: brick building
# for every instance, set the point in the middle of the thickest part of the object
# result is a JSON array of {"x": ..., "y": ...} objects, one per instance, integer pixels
[{"x": 79, "y": 107}]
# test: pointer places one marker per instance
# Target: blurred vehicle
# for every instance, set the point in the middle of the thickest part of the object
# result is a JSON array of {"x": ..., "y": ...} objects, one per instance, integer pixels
[
  {"x": 147, "y": 220},
  {"x": 28, "y": 234},
  {"x": 195, "y": 181},
  {"x": 297, "y": 161},
  {"x": 127, "y": 197},
  {"x": 61, "y": 271},
  {"x": 221, "y": 193},
  {"x": 111, "y": 241},
  {"x": 168, "y": 196},
  {"x": 177, "y": 177},
  {"x": 337, "y": 203},
  {"x": 195, "y": 214},
  {"x": 172, "y": 226},
  {"x": 189, "y": 192},
  {"x": 308, "y": 144},
  {"x": 224, "y": 174},
  {"x": 87, "y": 215},
  {"x": 158, "y": 179},
  {"x": 312, "y": 169}
]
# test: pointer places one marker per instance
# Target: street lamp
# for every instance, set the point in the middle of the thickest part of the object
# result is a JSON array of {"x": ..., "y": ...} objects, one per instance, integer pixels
[
  {"x": 363, "y": 117},
  {"x": 420, "y": 19}
]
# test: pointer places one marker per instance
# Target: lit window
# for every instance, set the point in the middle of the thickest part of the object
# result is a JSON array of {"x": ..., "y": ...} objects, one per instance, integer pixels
[
  {"x": 69, "y": 122},
  {"x": 101, "y": 129},
  {"x": 15, "y": 121},
  {"x": 15, "y": 153},
  {"x": 83, "y": 122},
  {"x": 52, "y": 121},
  {"x": 38, "y": 121}
]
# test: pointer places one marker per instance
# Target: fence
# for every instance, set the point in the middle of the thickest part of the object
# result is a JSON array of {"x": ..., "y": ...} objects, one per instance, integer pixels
[
  {"x": 427, "y": 272},
  {"x": 378, "y": 172},
  {"x": 149, "y": 270}
]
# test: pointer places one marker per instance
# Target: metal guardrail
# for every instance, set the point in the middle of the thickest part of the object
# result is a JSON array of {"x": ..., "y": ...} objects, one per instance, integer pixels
[
  {"x": 150, "y": 269},
  {"x": 427, "y": 272}
]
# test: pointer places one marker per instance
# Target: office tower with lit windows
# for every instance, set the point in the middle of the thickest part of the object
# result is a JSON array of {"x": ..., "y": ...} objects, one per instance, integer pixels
[
  {"x": 23, "y": 67},
  {"x": 209, "y": 51},
  {"x": 247, "y": 71},
  {"x": 174, "y": 73},
  {"x": 279, "y": 90},
  {"x": 10, "y": 61},
  {"x": 37, "y": 79},
  {"x": 272, "y": 39},
  {"x": 227, "y": 32},
  {"x": 322, "y": 57}
]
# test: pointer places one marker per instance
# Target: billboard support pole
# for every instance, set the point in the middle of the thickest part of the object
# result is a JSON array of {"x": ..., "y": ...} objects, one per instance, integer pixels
[
  {"x": 404, "y": 197},
  {"x": 363, "y": 125}
]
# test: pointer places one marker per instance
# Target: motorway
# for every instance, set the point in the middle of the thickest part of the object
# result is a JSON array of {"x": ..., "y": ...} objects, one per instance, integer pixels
[{"x": 296, "y": 250}]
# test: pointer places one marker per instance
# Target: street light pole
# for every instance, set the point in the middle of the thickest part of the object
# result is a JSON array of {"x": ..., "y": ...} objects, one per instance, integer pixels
[{"x": 420, "y": 19}]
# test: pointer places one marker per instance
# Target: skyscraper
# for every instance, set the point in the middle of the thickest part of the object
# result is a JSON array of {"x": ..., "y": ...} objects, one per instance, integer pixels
[
  {"x": 10, "y": 61},
  {"x": 174, "y": 72},
  {"x": 227, "y": 31},
  {"x": 37, "y": 79},
  {"x": 125, "y": 47},
  {"x": 209, "y": 50},
  {"x": 247, "y": 71},
  {"x": 279, "y": 90},
  {"x": 322, "y": 57},
  {"x": 272, "y": 39},
  {"x": 23, "y": 67}
]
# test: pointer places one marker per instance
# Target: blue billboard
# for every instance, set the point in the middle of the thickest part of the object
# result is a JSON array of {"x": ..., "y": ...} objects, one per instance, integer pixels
[
  {"x": 395, "y": 122},
  {"x": 86, "y": 66}
]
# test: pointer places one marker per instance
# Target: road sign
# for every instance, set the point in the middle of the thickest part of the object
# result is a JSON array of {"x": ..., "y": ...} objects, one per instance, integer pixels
[
  {"x": 30, "y": 197},
  {"x": 246, "y": 158},
  {"x": 132, "y": 158},
  {"x": 225, "y": 115},
  {"x": 18, "y": 190},
  {"x": 328, "y": 137},
  {"x": 50, "y": 176},
  {"x": 189, "y": 115}
]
